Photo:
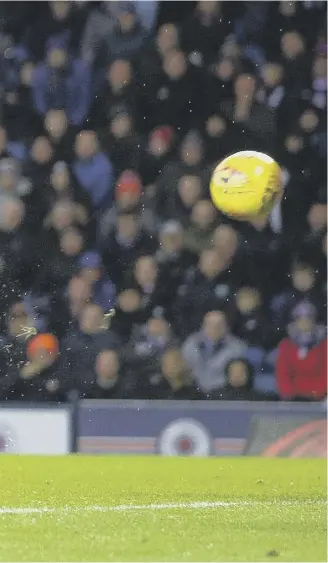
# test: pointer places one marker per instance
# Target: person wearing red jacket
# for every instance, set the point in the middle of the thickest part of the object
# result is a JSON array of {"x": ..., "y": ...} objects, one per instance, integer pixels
[{"x": 302, "y": 358}]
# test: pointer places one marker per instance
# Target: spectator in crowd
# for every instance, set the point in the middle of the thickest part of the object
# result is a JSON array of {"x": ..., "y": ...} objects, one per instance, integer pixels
[
  {"x": 121, "y": 141},
  {"x": 60, "y": 134},
  {"x": 13, "y": 340},
  {"x": 199, "y": 234},
  {"x": 173, "y": 258},
  {"x": 239, "y": 383},
  {"x": 168, "y": 98},
  {"x": 209, "y": 284},
  {"x": 144, "y": 351},
  {"x": 182, "y": 182},
  {"x": 93, "y": 170},
  {"x": 56, "y": 84},
  {"x": 60, "y": 24},
  {"x": 108, "y": 382},
  {"x": 203, "y": 33},
  {"x": 103, "y": 292},
  {"x": 127, "y": 241},
  {"x": 129, "y": 314},
  {"x": 117, "y": 93},
  {"x": 176, "y": 381},
  {"x": 303, "y": 288},
  {"x": 128, "y": 197},
  {"x": 302, "y": 358},
  {"x": 68, "y": 306},
  {"x": 84, "y": 341},
  {"x": 38, "y": 379},
  {"x": 159, "y": 150},
  {"x": 208, "y": 351},
  {"x": 250, "y": 320}
]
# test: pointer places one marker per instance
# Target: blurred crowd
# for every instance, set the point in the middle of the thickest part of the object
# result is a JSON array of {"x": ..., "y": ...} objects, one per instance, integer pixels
[{"x": 119, "y": 279}]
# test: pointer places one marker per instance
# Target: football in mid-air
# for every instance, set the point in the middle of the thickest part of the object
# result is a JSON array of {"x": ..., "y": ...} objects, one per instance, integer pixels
[{"x": 246, "y": 185}]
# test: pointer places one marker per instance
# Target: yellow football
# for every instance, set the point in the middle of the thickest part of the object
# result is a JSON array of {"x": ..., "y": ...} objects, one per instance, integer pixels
[{"x": 246, "y": 185}]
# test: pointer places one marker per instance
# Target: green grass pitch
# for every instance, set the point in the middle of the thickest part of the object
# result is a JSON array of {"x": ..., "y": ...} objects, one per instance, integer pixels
[{"x": 81, "y": 508}]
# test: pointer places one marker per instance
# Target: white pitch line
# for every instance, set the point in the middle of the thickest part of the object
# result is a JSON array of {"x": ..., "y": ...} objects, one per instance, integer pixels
[{"x": 149, "y": 507}]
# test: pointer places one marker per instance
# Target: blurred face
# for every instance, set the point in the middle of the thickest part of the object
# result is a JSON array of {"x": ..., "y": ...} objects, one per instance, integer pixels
[
  {"x": 303, "y": 279},
  {"x": 317, "y": 217},
  {"x": 128, "y": 199},
  {"x": 172, "y": 364},
  {"x": 56, "y": 123},
  {"x": 171, "y": 242},
  {"x": 129, "y": 301},
  {"x": 225, "y": 241},
  {"x": 71, "y": 242},
  {"x": 86, "y": 145},
  {"x": 79, "y": 292},
  {"x": 60, "y": 179},
  {"x": 91, "y": 275},
  {"x": 175, "y": 65},
  {"x": 225, "y": 70},
  {"x": 41, "y": 150},
  {"x": 3, "y": 139},
  {"x": 271, "y": 74},
  {"x": 305, "y": 325},
  {"x": 167, "y": 38},
  {"x": 146, "y": 271},
  {"x": 8, "y": 180},
  {"x": 127, "y": 227},
  {"x": 237, "y": 374},
  {"x": 319, "y": 69},
  {"x": 247, "y": 299},
  {"x": 127, "y": 21},
  {"x": 210, "y": 263},
  {"x": 189, "y": 188},
  {"x": 245, "y": 87},
  {"x": 62, "y": 215},
  {"x": 158, "y": 145},
  {"x": 121, "y": 126},
  {"x": 191, "y": 152},
  {"x": 91, "y": 319},
  {"x": 287, "y": 9},
  {"x": 207, "y": 7},
  {"x": 158, "y": 329},
  {"x": 215, "y": 325},
  {"x": 57, "y": 58},
  {"x": 107, "y": 365},
  {"x": 203, "y": 214},
  {"x": 216, "y": 126},
  {"x": 292, "y": 45},
  {"x": 26, "y": 73},
  {"x": 120, "y": 74},
  {"x": 13, "y": 214},
  {"x": 60, "y": 10},
  {"x": 309, "y": 121},
  {"x": 294, "y": 144}
]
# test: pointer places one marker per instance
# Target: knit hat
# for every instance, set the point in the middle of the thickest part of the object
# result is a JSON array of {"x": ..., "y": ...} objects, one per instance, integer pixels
[
  {"x": 128, "y": 182},
  {"x": 91, "y": 260},
  {"x": 164, "y": 133},
  {"x": 39, "y": 342}
]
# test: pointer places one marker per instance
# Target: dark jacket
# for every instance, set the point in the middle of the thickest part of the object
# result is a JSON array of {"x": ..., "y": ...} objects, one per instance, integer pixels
[{"x": 62, "y": 90}]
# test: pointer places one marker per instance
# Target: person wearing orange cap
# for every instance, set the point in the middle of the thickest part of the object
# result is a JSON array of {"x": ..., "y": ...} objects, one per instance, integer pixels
[
  {"x": 39, "y": 377},
  {"x": 128, "y": 194}
]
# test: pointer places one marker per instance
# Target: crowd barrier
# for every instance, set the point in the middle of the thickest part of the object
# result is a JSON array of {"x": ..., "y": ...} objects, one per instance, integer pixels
[{"x": 165, "y": 428}]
